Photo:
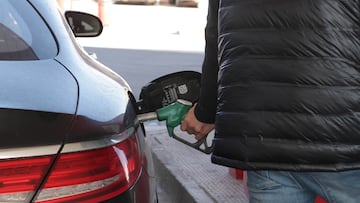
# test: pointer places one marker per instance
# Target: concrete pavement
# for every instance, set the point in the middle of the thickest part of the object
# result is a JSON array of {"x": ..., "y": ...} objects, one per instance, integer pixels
[{"x": 187, "y": 175}]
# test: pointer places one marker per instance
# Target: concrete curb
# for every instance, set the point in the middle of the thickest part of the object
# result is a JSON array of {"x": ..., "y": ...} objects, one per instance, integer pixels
[
  {"x": 176, "y": 190},
  {"x": 186, "y": 175},
  {"x": 178, "y": 186}
]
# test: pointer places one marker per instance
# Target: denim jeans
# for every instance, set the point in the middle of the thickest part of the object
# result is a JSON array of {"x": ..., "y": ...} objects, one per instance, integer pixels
[{"x": 303, "y": 187}]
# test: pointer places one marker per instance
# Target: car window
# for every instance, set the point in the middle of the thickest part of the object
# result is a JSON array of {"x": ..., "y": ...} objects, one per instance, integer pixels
[{"x": 23, "y": 33}]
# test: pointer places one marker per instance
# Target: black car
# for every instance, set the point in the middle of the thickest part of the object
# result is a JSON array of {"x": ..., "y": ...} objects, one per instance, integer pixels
[{"x": 68, "y": 128}]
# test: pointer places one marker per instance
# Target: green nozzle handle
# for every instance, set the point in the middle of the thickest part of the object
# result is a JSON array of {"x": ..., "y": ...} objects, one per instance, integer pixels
[{"x": 173, "y": 114}]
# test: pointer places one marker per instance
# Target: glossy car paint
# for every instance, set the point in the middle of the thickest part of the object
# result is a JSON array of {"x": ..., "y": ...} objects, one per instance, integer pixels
[{"x": 68, "y": 103}]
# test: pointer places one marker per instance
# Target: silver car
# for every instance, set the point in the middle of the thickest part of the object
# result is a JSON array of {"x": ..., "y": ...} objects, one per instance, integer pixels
[{"x": 69, "y": 129}]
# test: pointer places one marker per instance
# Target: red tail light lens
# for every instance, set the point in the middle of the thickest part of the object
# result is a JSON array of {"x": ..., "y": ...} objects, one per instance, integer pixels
[
  {"x": 94, "y": 175},
  {"x": 19, "y": 178}
]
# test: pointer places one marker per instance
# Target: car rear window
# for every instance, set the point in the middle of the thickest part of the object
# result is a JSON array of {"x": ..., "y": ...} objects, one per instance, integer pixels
[{"x": 23, "y": 33}]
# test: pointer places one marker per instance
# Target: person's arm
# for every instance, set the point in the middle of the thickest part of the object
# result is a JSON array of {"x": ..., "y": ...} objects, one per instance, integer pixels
[
  {"x": 206, "y": 107},
  {"x": 200, "y": 119}
]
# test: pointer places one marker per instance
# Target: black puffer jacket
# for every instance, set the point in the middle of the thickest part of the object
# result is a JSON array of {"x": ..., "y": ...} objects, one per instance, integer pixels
[{"x": 289, "y": 85}]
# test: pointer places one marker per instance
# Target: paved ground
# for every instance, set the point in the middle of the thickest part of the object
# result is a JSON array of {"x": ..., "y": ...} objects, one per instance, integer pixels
[
  {"x": 184, "y": 174},
  {"x": 188, "y": 175}
]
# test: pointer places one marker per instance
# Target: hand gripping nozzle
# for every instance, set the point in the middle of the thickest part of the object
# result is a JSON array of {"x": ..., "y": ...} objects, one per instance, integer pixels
[{"x": 173, "y": 114}]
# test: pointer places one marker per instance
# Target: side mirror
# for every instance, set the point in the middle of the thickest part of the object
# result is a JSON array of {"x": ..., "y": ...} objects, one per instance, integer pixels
[
  {"x": 84, "y": 24},
  {"x": 168, "y": 89}
]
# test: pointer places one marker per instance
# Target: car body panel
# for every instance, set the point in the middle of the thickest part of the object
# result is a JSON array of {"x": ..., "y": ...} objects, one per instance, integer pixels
[
  {"x": 53, "y": 90},
  {"x": 103, "y": 94},
  {"x": 35, "y": 112}
]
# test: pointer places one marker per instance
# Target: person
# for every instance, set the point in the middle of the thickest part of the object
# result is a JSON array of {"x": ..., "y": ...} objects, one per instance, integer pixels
[{"x": 281, "y": 87}]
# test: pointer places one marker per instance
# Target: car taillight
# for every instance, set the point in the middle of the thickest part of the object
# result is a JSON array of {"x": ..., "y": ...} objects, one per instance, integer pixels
[
  {"x": 93, "y": 175},
  {"x": 19, "y": 178}
]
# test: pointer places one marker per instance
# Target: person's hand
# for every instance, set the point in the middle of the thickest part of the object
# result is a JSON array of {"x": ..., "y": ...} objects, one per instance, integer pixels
[{"x": 195, "y": 127}]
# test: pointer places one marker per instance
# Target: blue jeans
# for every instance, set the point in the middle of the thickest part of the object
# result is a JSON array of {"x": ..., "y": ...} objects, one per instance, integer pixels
[{"x": 303, "y": 187}]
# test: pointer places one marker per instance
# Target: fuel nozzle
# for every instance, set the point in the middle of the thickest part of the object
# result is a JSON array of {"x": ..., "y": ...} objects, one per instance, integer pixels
[{"x": 173, "y": 114}]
